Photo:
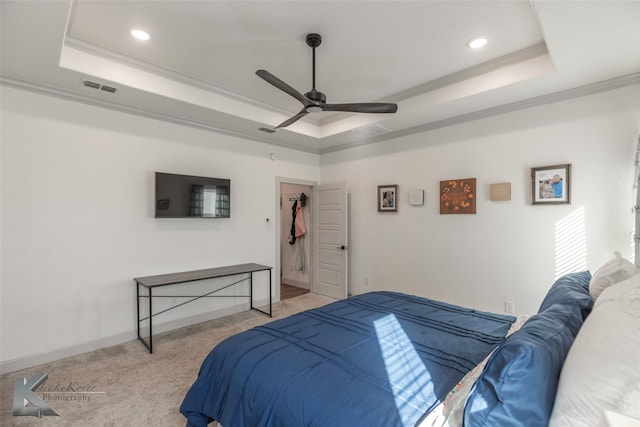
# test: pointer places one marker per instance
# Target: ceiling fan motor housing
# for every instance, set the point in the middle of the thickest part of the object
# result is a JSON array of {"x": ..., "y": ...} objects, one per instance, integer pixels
[{"x": 316, "y": 96}]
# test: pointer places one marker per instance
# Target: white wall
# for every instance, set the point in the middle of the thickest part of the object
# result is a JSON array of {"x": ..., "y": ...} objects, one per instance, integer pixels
[
  {"x": 509, "y": 250},
  {"x": 77, "y": 218},
  {"x": 77, "y": 210}
]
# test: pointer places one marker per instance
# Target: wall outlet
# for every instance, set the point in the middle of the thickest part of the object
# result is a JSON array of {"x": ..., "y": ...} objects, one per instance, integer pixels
[
  {"x": 367, "y": 282},
  {"x": 508, "y": 307}
]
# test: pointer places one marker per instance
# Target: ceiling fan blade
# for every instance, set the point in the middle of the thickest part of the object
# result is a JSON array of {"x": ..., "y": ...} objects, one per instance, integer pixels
[
  {"x": 366, "y": 107},
  {"x": 293, "y": 119},
  {"x": 270, "y": 78}
]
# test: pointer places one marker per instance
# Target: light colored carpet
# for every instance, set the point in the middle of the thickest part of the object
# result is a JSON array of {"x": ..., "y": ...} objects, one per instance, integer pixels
[{"x": 129, "y": 386}]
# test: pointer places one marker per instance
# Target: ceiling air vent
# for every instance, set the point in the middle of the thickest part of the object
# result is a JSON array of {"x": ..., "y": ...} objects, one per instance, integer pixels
[{"x": 94, "y": 85}]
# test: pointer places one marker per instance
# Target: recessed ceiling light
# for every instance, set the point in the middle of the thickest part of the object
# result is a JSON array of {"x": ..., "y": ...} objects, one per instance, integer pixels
[
  {"x": 140, "y": 35},
  {"x": 477, "y": 42}
]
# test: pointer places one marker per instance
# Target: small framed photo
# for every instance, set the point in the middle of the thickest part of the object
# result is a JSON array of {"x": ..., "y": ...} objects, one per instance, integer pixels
[
  {"x": 387, "y": 198},
  {"x": 551, "y": 184}
]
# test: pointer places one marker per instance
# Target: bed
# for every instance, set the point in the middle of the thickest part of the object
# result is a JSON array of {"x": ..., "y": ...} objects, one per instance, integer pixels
[{"x": 391, "y": 359}]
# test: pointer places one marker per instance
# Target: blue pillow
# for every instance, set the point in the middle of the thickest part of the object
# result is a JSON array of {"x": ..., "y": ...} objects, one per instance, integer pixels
[
  {"x": 572, "y": 288},
  {"x": 518, "y": 384}
]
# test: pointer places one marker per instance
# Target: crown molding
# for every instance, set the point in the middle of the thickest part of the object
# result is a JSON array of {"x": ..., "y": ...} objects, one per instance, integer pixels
[
  {"x": 76, "y": 97},
  {"x": 598, "y": 87},
  {"x": 168, "y": 73},
  {"x": 565, "y": 95}
]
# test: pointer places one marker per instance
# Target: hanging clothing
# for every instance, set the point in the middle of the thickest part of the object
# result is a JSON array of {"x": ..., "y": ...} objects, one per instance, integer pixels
[
  {"x": 300, "y": 256},
  {"x": 300, "y": 231},
  {"x": 292, "y": 234},
  {"x": 300, "y": 228}
]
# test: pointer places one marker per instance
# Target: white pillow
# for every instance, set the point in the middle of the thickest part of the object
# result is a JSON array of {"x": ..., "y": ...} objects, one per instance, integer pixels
[
  {"x": 617, "y": 420},
  {"x": 614, "y": 271},
  {"x": 602, "y": 369}
]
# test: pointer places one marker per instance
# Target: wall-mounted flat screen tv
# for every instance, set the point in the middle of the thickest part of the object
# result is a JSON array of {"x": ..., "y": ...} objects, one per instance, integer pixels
[{"x": 185, "y": 196}]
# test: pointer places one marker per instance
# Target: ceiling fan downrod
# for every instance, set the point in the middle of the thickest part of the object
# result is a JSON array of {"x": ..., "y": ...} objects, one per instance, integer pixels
[{"x": 313, "y": 41}]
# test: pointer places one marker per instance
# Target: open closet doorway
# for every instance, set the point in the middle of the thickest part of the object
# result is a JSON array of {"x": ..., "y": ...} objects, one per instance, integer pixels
[{"x": 296, "y": 222}]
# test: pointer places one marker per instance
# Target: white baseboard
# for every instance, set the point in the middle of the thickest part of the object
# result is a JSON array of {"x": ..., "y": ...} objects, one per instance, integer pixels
[
  {"x": 121, "y": 338},
  {"x": 64, "y": 352}
]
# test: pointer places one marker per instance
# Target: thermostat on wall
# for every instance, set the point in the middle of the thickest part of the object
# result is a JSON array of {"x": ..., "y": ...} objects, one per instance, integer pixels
[{"x": 416, "y": 197}]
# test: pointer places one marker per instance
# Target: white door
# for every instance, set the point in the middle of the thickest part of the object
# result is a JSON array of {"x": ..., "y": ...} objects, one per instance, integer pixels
[{"x": 330, "y": 243}]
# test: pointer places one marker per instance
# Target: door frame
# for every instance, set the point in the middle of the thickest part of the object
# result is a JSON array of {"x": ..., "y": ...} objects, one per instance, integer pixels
[{"x": 278, "y": 221}]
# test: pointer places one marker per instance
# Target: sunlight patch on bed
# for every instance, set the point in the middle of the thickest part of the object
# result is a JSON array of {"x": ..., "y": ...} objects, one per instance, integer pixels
[
  {"x": 409, "y": 378},
  {"x": 571, "y": 244}
]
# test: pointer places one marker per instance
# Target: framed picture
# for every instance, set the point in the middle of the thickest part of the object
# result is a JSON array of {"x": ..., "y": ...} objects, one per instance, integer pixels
[
  {"x": 551, "y": 184},
  {"x": 458, "y": 196},
  {"x": 387, "y": 198}
]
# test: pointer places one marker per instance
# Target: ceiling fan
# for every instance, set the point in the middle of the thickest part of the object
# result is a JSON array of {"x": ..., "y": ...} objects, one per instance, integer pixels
[{"x": 314, "y": 100}]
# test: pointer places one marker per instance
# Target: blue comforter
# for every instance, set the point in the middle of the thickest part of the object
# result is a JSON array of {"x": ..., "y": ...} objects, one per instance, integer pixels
[{"x": 377, "y": 359}]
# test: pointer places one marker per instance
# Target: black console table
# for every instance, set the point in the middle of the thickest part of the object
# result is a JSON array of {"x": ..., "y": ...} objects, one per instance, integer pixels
[{"x": 151, "y": 282}]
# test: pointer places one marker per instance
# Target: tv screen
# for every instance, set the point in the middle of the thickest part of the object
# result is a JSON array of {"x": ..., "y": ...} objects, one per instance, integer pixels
[{"x": 184, "y": 196}]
